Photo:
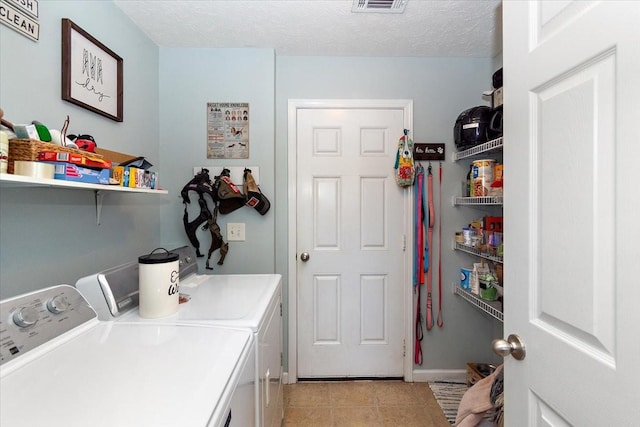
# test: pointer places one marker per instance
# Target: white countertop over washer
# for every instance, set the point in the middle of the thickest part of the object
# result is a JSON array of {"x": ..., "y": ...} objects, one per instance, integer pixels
[{"x": 233, "y": 300}]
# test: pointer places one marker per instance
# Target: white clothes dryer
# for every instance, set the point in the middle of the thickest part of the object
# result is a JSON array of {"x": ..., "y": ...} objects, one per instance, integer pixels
[{"x": 248, "y": 301}]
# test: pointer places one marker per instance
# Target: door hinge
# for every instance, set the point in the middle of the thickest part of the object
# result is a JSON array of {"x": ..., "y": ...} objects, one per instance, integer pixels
[
  {"x": 281, "y": 361},
  {"x": 404, "y": 242},
  {"x": 404, "y": 348},
  {"x": 280, "y": 309}
]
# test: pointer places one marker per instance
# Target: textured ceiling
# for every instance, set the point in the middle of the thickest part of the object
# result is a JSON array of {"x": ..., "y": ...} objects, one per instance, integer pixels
[{"x": 432, "y": 28}]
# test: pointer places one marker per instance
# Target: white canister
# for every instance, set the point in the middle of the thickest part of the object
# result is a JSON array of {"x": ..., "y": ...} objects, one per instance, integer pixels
[
  {"x": 4, "y": 152},
  {"x": 159, "y": 284}
]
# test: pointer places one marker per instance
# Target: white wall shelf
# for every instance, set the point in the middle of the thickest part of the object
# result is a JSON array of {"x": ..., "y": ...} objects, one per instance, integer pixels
[
  {"x": 482, "y": 201},
  {"x": 478, "y": 302},
  {"x": 493, "y": 146},
  {"x": 13, "y": 181},
  {"x": 471, "y": 250},
  {"x": 489, "y": 146}
]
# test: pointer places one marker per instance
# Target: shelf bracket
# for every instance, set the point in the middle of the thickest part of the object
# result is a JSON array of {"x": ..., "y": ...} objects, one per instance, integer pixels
[{"x": 99, "y": 195}]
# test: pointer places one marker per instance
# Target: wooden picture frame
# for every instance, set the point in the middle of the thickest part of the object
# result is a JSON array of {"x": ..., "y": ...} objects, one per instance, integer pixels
[{"x": 91, "y": 73}]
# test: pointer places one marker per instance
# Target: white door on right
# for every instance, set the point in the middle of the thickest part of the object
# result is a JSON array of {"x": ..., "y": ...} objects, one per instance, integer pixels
[{"x": 572, "y": 208}]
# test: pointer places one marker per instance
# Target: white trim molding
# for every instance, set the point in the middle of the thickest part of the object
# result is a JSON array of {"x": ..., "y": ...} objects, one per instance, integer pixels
[{"x": 294, "y": 105}]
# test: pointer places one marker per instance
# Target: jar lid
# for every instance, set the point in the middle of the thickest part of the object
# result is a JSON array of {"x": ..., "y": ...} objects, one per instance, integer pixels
[{"x": 158, "y": 258}]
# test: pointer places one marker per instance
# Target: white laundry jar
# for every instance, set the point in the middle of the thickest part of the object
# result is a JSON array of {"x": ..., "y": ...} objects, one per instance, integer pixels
[{"x": 159, "y": 283}]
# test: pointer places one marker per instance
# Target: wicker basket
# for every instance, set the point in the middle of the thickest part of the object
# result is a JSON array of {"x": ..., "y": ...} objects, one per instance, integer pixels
[{"x": 28, "y": 149}]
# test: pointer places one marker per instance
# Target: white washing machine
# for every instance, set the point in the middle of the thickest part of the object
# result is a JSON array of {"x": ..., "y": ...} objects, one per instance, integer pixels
[
  {"x": 61, "y": 366},
  {"x": 248, "y": 301}
]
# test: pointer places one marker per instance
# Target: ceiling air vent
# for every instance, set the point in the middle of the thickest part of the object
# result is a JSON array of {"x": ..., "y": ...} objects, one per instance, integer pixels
[{"x": 379, "y": 6}]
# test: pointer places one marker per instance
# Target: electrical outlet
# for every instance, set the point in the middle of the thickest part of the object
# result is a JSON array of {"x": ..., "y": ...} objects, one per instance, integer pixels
[{"x": 235, "y": 232}]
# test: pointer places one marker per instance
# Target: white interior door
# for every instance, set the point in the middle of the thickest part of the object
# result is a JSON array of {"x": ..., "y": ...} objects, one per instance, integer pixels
[
  {"x": 351, "y": 221},
  {"x": 572, "y": 147}
]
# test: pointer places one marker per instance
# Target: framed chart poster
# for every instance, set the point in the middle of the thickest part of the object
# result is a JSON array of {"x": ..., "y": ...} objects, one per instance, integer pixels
[
  {"x": 228, "y": 130},
  {"x": 91, "y": 73}
]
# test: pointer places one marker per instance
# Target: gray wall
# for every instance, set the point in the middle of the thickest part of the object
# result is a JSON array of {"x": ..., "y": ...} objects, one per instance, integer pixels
[
  {"x": 49, "y": 236},
  {"x": 441, "y": 88}
]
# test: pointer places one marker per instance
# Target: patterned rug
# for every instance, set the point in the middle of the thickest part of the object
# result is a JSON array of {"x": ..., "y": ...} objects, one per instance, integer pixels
[{"x": 448, "y": 395}]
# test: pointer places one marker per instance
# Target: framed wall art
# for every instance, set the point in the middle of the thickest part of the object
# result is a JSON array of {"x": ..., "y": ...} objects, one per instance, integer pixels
[
  {"x": 91, "y": 73},
  {"x": 228, "y": 130}
]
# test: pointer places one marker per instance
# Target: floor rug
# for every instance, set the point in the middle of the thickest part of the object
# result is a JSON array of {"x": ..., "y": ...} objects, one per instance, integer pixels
[{"x": 448, "y": 395}]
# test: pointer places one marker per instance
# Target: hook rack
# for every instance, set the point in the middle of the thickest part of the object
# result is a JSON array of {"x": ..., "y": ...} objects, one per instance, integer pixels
[{"x": 236, "y": 172}]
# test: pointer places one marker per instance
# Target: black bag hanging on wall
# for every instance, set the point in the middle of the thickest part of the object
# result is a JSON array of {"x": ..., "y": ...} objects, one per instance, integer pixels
[{"x": 254, "y": 197}]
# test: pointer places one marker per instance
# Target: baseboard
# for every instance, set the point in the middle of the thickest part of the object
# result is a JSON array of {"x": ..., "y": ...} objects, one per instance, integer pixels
[
  {"x": 426, "y": 375},
  {"x": 422, "y": 375}
]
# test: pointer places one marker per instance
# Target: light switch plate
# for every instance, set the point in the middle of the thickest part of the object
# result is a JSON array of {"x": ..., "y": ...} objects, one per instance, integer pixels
[{"x": 235, "y": 232}]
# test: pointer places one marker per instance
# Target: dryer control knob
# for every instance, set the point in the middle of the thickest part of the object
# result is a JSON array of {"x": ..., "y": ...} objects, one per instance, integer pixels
[
  {"x": 26, "y": 316},
  {"x": 58, "y": 304}
]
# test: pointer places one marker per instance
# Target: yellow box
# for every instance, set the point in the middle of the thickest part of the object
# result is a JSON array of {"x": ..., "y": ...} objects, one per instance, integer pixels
[
  {"x": 497, "y": 171},
  {"x": 133, "y": 176},
  {"x": 117, "y": 173}
]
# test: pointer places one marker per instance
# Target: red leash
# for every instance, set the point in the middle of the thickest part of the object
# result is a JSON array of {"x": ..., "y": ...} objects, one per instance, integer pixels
[
  {"x": 419, "y": 264},
  {"x": 440, "y": 320},
  {"x": 430, "y": 249}
]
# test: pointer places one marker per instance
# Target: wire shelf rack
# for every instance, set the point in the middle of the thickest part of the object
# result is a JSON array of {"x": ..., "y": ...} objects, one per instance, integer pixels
[
  {"x": 493, "y": 145},
  {"x": 473, "y": 251},
  {"x": 477, "y": 201},
  {"x": 478, "y": 303}
]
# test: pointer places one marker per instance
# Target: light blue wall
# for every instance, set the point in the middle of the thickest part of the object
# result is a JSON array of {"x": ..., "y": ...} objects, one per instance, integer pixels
[
  {"x": 189, "y": 79},
  {"x": 441, "y": 88},
  {"x": 49, "y": 236}
]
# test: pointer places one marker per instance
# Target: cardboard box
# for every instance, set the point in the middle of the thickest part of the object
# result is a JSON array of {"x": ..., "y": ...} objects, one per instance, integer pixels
[
  {"x": 115, "y": 156},
  {"x": 117, "y": 173},
  {"x": 133, "y": 176},
  {"x": 142, "y": 178},
  {"x": 75, "y": 158},
  {"x": 478, "y": 371},
  {"x": 154, "y": 180},
  {"x": 71, "y": 172}
]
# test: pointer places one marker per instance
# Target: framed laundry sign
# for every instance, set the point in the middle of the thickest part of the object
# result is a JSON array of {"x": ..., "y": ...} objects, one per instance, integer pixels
[
  {"x": 228, "y": 130},
  {"x": 91, "y": 73}
]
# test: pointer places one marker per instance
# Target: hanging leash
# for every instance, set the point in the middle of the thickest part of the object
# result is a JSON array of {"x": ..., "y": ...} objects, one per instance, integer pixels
[
  {"x": 440, "y": 320},
  {"x": 418, "y": 272},
  {"x": 429, "y": 244}
]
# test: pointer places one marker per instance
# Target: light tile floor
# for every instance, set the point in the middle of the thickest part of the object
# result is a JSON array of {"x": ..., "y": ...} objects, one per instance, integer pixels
[{"x": 361, "y": 403}]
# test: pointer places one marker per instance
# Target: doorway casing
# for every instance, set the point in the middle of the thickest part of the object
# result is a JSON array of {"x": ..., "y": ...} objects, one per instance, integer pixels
[{"x": 294, "y": 105}]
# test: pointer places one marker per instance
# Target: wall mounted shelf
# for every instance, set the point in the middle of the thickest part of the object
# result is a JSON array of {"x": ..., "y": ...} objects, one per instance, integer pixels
[
  {"x": 473, "y": 251},
  {"x": 481, "y": 201},
  {"x": 478, "y": 302},
  {"x": 489, "y": 146},
  {"x": 13, "y": 181}
]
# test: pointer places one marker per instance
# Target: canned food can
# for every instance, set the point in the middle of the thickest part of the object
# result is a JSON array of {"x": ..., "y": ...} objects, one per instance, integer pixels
[{"x": 482, "y": 177}]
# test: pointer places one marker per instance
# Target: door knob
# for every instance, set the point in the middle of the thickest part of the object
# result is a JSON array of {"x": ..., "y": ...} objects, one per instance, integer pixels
[
  {"x": 512, "y": 346},
  {"x": 304, "y": 256}
]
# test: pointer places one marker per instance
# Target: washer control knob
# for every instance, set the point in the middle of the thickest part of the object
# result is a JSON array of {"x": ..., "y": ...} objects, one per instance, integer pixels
[
  {"x": 26, "y": 316},
  {"x": 58, "y": 304}
]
